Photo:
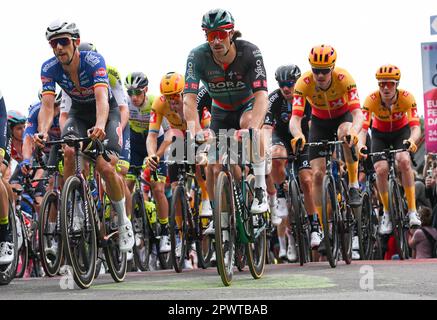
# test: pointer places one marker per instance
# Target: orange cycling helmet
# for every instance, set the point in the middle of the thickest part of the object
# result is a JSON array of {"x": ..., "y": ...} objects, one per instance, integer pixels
[
  {"x": 172, "y": 83},
  {"x": 322, "y": 56},
  {"x": 388, "y": 71}
]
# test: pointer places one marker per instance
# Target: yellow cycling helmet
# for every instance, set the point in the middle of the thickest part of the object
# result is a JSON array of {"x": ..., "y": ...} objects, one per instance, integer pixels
[
  {"x": 172, "y": 83},
  {"x": 388, "y": 71},
  {"x": 322, "y": 56}
]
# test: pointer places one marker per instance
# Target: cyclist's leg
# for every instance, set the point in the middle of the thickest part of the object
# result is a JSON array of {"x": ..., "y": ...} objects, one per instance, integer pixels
[
  {"x": 206, "y": 210},
  {"x": 114, "y": 184},
  {"x": 123, "y": 168},
  {"x": 6, "y": 241},
  {"x": 352, "y": 166},
  {"x": 404, "y": 165},
  {"x": 259, "y": 204},
  {"x": 379, "y": 143}
]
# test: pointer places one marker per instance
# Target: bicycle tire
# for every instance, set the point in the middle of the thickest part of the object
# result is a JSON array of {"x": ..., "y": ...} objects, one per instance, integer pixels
[
  {"x": 330, "y": 226},
  {"x": 7, "y": 272},
  {"x": 115, "y": 259},
  {"x": 51, "y": 268},
  {"x": 179, "y": 232},
  {"x": 83, "y": 271},
  {"x": 23, "y": 251},
  {"x": 346, "y": 220},
  {"x": 141, "y": 231},
  {"x": 302, "y": 241},
  {"x": 224, "y": 204},
  {"x": 396, "y": 216},
  {"x": 256, "y": 251},
  {"x": 364, "y": 221}
]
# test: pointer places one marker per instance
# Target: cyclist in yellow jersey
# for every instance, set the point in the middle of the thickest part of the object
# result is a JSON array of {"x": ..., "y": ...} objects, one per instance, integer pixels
[
  {"x": 393, "y": 113},
  {"x": 333, "y": 96},
  {"x": 170, "y": 106}
]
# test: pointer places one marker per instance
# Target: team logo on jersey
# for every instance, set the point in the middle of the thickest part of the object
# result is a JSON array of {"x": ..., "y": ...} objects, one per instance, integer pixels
[
  {"x": 414, "y": 113},
  {"x": 100, "y": 73},
  {"x": 406, "y": 94},
  {"x": 256, "y": 84},
  {"x": 45, "y": 80},
  {"x": 341, "y": 77},
  {"x": 307, "y": 80},
  {"x": 297, "y": 101},
  {"x": 398, "y": 115},
  {"x": 194, "y": 86},
  {"x": 366, "y": 115},
  {"x": 373, "y": 96},
  {"x": 285, "y": 117},
  {"x": 152, "y": 117},
  {"x": 353, "y": 95},
  {"x": 337, "y": 103}
]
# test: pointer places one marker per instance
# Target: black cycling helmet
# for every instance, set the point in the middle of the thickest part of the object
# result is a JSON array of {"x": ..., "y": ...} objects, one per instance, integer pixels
[
  {"x": 217, "y": 19},
  {"x": 87, "y": 46},
  {"x": 289, "y": 72}
]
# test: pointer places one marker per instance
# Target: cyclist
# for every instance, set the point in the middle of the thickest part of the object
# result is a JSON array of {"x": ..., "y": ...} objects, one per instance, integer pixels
[
  {"x": 6, "y": 241},
  {"x": 170, "y": 106},
  {"x": 277, "y": 119},
  {"x": 140, "y": 107},
  {"x": 395, "y": 123},
  {"x": 83, "y": 76},
  {"x": 336, "y": 110},
  {"x": 233, "y": 72}
]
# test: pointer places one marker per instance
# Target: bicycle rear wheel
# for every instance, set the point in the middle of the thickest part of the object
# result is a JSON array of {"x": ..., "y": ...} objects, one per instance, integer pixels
[
  {"x": 330, "y": 221},
  {"x": 115, "y": 259},
  {"x": 7, "y": 272},
  {"x": 397, "y": 216},
  {"x": 225, "y": 227},
  {"x": 23, "y": 251},
  {"x": 302, "y": 228},
  {"x": 51, "y": 264},
  {"x": 346, "y": 221},
  {"x": 179, "y": 228},
  {"x": 364, "y": 220},
  {"x": 78, "y": 232},
  {"x": 256, "y": 249},
  {"x": 142, "y": 247}
]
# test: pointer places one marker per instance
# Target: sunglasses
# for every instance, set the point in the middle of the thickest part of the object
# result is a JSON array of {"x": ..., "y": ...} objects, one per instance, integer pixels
[
  {"x": 217, "y": 34},
  {"x": 62, "y": 41},
  {"x": 134, "y": 92},
  {"x": 287, "y": 84},
  {"x": 323, "y": 71},
  {"x": 388, "y": 84},
  {"x": 173, "y": 96}
]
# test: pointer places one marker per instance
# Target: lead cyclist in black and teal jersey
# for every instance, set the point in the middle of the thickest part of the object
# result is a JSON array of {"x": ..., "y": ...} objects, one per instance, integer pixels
[{"x": 233, "y": 73}]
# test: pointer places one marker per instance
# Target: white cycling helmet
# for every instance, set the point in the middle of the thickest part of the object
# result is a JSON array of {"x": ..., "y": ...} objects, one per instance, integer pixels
[{"x": 58, "y": 27}]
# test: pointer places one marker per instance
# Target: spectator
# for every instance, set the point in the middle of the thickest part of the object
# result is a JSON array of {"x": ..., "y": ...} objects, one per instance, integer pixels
[{"x": 419, "y": 242}]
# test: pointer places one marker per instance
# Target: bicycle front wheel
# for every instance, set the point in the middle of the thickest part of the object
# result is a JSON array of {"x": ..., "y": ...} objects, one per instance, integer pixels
[
  {"x": 178, "y": 228},
  {"x": 78, "y": 232},
  {"x": 49, "y": 206},
  {"x": 397, "y": 216},
  {"x": 330, "y": 221},
  {"x": 257, "y": 224},
  {"x": 142, "y": 247},
  {"x": 225, "y": 227}
]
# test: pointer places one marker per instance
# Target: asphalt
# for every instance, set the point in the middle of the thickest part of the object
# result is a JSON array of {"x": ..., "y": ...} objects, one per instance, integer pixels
[{"x": 362, "y": 280}]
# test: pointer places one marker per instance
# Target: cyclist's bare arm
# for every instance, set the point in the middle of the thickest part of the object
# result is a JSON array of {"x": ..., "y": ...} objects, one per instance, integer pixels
[
  {"x": 415, "y": 133},
  {"x": 45, "y": 116},
  {"x": 102, "y": 107},
  {"x": 358, "y": 120},
  {"x": 295, "y": 126},
  {"x": 152, "y": 143},
  {"x": 190, "y": 113}
]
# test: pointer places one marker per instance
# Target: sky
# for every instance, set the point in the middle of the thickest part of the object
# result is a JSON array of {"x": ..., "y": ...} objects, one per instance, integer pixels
[{"x": 155, "y": 37}]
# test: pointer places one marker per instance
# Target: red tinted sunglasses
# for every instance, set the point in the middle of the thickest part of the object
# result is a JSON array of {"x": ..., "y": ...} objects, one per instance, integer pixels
[
  {"x": 217, "y": 34},
  {"x": 62, "y": 41},
  {"x": 388, "y": 84}
]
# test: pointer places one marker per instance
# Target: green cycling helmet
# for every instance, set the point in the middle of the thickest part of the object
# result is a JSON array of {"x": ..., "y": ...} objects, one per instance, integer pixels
[{"x": 217, "y": 19}]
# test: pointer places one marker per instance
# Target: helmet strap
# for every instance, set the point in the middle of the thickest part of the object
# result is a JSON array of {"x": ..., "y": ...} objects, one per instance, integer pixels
[{"x": 72, "y": 56}]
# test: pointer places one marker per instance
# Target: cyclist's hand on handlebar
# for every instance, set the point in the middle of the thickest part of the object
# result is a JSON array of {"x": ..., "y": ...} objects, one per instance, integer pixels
[
  {"x": 362, "y": 151},
  {"x": 40, "y": 138},
  {"x": 25, "y": 166},
  {"x": 352, "y": 138},
  {"x": 410, "y": 145},
  {"x": 152, "y": 162},
  {"x": 298, "y": 141},
  {"x": 97, "y": 133}
]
